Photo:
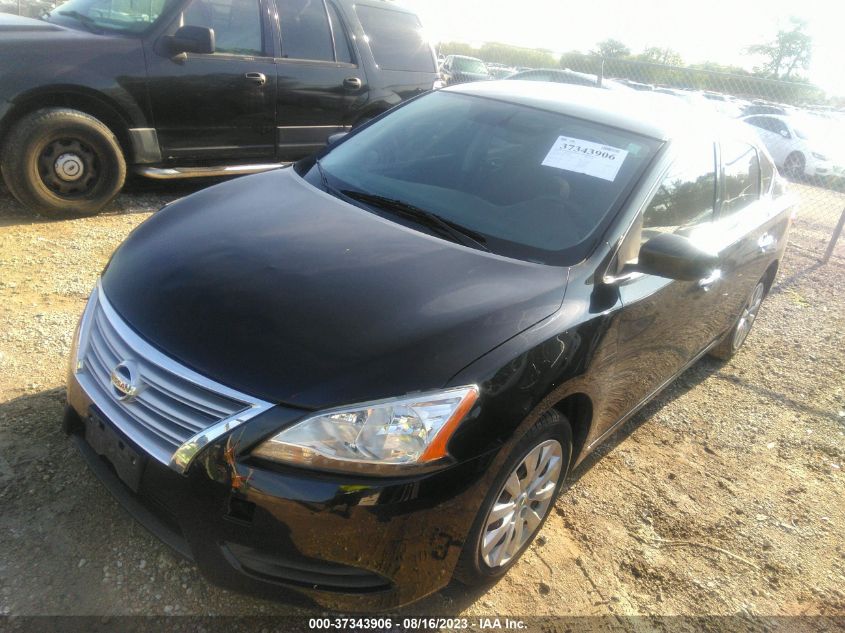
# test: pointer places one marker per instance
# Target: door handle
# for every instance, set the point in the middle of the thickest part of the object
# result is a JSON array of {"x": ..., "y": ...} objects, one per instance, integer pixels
[
  {"x": 352, "y": 83},
  {"x": 767, "y": 243},
  {"x": 708, "y": 282},
  {"x": 259, "y": 79}
]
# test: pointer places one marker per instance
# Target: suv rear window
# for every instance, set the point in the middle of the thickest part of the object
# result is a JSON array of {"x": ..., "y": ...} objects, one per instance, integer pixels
[{"x": 396, "y": 39}]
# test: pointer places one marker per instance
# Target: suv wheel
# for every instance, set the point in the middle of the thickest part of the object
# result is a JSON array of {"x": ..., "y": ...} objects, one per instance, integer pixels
[
  {"x": 519, "y": 501},
  {"x": 734, "y": 339},
  {"x": 62, "y": 162},
  {"x": 793, "y": 166}
]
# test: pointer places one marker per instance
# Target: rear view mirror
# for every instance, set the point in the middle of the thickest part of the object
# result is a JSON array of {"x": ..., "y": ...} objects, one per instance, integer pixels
[
  {"x": 675, "y": 257},
  {"x": 192, "y": 39}
]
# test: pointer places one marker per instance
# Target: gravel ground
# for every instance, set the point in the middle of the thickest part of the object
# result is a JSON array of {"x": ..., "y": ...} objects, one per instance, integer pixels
[{"x": 724, "y": 496}]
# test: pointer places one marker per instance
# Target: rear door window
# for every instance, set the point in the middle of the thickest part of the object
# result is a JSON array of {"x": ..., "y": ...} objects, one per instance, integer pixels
[
  {"x": 760, "y": 122},
  {"x": 742, "y": 176},
  {"x": 305, "y": 30},
  {"x": 396, "y": 39},
  {"x": 342, "y": 45}
]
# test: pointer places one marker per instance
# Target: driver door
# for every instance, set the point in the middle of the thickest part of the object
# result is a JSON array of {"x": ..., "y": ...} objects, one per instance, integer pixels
[
  {"x": 664, "y": 324},
  {"x": 217, "y": 107}
]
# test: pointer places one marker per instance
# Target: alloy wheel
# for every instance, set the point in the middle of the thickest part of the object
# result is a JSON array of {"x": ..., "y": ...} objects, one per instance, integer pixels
[
  {"x": 522, "y": 503},
  {"x": 749, "y": 314},
  {"x": 794, "y": 166}
]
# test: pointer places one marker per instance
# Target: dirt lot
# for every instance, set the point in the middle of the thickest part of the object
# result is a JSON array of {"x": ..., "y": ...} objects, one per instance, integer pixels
[{"x": 725, "y": 496}]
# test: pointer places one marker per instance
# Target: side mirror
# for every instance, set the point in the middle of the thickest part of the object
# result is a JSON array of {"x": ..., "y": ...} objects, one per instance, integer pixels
[
  {"x": 675, "y": 257},
  {"x": 334, "y": 138},
  {"x": 784, "y": 134},
  {"x": 191, "y": 39}
]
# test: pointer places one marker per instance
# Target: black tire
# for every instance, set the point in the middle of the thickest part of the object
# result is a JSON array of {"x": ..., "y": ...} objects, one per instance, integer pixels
[
  {"x": 471, "y": 568},
  {"x": 94, "y": 168},
  {"x": 794, "y": 165},
  {"x": 734, "y": 340}
]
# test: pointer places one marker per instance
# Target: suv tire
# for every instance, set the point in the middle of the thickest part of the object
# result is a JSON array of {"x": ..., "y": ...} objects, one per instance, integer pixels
[{"x": 62, "y": 162}]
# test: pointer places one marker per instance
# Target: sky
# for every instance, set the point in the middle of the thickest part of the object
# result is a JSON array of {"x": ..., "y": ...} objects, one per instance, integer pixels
[{"x": 715, "y": 30}]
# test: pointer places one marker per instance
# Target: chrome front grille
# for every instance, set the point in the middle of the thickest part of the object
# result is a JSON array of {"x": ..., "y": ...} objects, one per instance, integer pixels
[{"x": 169, "y": 407}]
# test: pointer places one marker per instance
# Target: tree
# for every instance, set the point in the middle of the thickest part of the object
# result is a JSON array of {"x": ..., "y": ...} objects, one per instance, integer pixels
[
  {"x": 576, "y": 60},
  {"x": 515, "y": 55},
  {"x": 612, "y": 48},
  {"x": 657, "y": 55},
  {"x": 790, "y": 50}
]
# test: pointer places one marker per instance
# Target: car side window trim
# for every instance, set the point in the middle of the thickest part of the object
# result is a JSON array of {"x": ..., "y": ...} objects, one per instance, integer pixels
[
  {"x": 353, "y": 52},
  {"x": 721, "y": 212}
]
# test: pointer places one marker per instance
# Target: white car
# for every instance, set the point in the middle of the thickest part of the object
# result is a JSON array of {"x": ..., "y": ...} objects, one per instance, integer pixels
[{"x": 802, "y": 146}]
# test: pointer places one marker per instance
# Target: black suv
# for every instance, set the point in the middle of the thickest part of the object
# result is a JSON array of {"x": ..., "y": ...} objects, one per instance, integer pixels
[{"x": 179, "y": 88}]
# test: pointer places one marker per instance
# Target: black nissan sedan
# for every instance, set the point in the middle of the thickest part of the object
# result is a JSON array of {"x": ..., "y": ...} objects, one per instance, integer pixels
[{"x": 369, "y": 373}]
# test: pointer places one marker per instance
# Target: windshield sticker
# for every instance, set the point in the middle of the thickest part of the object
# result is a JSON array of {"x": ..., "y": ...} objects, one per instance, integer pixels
[{"x": 585, "y": 157}]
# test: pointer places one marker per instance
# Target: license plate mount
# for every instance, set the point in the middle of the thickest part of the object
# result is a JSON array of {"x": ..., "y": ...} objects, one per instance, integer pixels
[{"x": 107, "y": 442}]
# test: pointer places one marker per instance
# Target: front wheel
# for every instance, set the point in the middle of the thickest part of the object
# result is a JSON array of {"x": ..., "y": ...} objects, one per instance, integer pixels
[
  {"x": 729, "y": 346},
  {"x": 62, "y": 162},
  {"x": 794, "y": 166},
  {"x": 519, "y": 501}
]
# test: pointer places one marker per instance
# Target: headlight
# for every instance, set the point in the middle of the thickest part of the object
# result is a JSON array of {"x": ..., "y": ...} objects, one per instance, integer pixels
[
  {"x": 385, "y": 437},
  {"x": 819, "y": 156}
]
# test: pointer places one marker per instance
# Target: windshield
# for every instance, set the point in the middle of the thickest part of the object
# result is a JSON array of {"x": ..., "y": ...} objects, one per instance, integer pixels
[
  {"x": 527, "y": 183},
  {"x": 124, "y": 16},
  {"x": 469, "y": 65}
]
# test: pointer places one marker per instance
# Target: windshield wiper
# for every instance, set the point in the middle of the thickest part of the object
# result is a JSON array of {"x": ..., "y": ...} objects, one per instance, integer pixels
[
  {"x": 452, "y": 230},
  {"x": 87, "y": 21},
  {"x": 323, "y": 178}
]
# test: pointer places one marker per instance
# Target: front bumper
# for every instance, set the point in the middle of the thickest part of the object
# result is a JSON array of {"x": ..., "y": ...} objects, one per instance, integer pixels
[
  {"x": 824, "y": 169},
  {"x": 346, "y": 543}
]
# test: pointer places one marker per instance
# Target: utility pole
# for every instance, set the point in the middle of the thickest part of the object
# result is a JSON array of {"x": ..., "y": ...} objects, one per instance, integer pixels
[{"x": 834, "y": 238}]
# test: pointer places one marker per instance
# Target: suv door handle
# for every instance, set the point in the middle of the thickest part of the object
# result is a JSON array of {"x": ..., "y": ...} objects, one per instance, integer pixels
[
  {"x": 352, "y": 83},
  {"x": 259, "y": 79},
  {"x": 707, "y": 283}
]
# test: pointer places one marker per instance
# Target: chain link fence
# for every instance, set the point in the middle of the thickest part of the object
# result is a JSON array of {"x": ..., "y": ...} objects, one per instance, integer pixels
[{"x": 805, "y": 136}]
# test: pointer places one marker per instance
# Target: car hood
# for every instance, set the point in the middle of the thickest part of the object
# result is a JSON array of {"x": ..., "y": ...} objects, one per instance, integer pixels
[
  {"x": 472, "y": 76},
  {"x": 47, "y": 53},
  {"x": 284, "y": 292},
  {"x": 16, "y": 23}
]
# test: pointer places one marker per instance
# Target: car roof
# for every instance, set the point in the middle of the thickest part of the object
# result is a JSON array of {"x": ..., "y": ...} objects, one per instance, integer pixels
[
  {"x": 781, "y": 117},
  {"x": 383, "y": 4},
  {"x": 644, "y": 113}
]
